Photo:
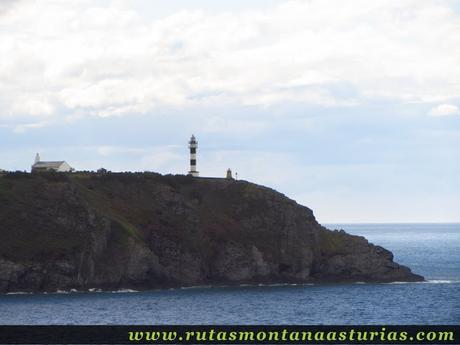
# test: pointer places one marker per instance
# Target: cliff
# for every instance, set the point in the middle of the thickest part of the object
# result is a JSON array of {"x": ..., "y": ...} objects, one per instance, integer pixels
[{"x": 145, "y": 230}]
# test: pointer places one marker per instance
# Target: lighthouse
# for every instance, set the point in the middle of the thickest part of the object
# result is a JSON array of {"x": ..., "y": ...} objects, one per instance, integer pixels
[{"x": 193, "y": 145}]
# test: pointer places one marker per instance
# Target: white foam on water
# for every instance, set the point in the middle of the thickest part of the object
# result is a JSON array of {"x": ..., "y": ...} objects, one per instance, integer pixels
[
  {"x": 193, "y": 287},
  {"x": 430, "y": 281},
  {"x": 441, "y": 281},
  {"x": 95, "y": 290},
  {"x": 400, "y": 283},
  {"x": 282, "y": 284},
  {"x": 124, "y": 291}
]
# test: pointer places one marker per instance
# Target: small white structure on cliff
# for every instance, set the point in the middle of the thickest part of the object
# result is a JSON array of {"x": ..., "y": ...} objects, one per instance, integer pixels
[
  {"x": 59, "y": 166},
  {"x": 193, "y": 145}
]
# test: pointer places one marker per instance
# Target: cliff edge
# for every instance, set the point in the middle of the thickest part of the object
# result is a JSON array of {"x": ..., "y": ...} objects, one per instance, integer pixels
[{"x": 145, "y": 230}]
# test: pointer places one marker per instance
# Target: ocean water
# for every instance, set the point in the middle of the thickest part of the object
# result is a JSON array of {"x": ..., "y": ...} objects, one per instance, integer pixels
[{"x": 432, "y": 250}]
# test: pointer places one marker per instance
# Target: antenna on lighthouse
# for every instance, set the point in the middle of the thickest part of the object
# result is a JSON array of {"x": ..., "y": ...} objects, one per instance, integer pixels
[{"x": 193, "y": 145}]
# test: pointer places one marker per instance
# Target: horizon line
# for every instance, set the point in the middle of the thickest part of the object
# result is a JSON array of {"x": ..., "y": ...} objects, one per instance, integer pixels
[{"x": 388, "y": 223}]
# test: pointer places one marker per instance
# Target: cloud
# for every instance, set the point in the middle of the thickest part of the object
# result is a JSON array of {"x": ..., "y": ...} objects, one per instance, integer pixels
[
  {"x": 22, "y": 128},
  {"x": 220, "y": 124},
  {"x": 110, "y": 59},
  {"x": 7, "y": 5},
  {"x": 106, "y": 150},
  {"x": 444, "y": 110}
]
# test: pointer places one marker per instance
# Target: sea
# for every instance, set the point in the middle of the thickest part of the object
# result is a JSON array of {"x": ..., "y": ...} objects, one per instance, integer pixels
[{"x": 432, "y": 250}]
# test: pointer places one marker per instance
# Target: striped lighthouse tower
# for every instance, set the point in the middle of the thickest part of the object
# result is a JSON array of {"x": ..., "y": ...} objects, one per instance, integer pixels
[{"x": 193, "y": 145}]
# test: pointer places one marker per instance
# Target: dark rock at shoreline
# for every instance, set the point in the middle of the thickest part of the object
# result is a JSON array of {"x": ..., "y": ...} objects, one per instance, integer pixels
[{"x": 145, "y": 230}]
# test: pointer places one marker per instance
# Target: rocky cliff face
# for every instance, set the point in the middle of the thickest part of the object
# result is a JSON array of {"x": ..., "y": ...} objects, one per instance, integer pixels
[{"x": 110, "y": 231}]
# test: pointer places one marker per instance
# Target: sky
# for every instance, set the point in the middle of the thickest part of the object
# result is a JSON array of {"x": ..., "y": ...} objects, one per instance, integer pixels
[{"x": 351, "y": 108}]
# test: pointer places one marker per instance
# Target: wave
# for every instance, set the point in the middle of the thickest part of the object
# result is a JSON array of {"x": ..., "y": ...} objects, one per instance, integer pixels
[
  {"x": 283, "y": 284},
  {"x": 193, "y": 287},
  {"x": 442, "y": 281},
  {"x": 95, "y": 290},
  {"x": 71, "y": 291},
  {"x": 429, "y": 281},
  {"x": 402, "y": 283},
  {"x": 124, "y": 291},
  {"x": 67, "y": 291}
]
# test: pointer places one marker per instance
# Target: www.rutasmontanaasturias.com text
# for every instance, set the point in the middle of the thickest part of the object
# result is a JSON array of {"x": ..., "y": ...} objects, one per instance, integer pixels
[{"x": 285, "y": 335}]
